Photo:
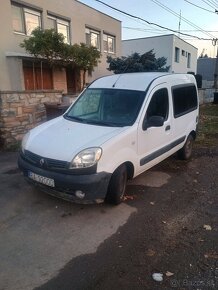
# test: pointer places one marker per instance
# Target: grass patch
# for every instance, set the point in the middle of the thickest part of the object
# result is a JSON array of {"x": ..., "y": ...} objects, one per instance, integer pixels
[
  {"x": 208, "y": 126},
  {"x": 12, "y": 147}
]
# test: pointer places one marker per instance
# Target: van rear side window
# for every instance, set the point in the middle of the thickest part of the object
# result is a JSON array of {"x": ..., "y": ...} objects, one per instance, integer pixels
[{"x": 184, "y": 99}]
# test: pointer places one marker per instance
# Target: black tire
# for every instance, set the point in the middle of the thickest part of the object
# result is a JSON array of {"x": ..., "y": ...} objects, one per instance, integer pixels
[
  {"x": 117, "y": 185},
  {"x": 186, "y": 152}
]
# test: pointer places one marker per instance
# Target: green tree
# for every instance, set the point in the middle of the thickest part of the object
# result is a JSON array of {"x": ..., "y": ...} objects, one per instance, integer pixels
[
  {"x": 137, "y": 63},
  {"x": 86, "y": 58},
  {"x": 49, "y": 45}
]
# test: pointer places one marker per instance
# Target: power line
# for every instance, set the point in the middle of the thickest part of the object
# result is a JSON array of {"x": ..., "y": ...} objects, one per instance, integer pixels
[
  {"x": 156, "y": 31},
  {"x": 214, "y": 12},
  {"x": 212, "y": 2},
  {"x": 208, "y": 4},
  {"x": 159, "y": 30},
  {"x": 151, "y": 23},
  {"x": 178, "y": 16}
]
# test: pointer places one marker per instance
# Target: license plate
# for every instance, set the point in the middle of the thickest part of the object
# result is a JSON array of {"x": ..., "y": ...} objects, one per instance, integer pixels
[{"x": 41, "y": 179}]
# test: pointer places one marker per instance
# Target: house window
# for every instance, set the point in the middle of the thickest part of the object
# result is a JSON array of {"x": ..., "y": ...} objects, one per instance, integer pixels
[
  {"x": 183, "y": 52},
  {"x": 177, "y": 54},
  {"x": 189, "y": 60},
  {"x": 93, "y": 38},
  {"x": 109, "y": 43},
  {"x": 25, "y": 20},
  {"x": 37, "y": 76},
  {"x": 61, "y": 26}
]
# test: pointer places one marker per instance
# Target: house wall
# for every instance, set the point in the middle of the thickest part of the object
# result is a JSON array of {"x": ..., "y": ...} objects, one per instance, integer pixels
[
  {"x": 163, "y": 46},
  {"x": 182, "y": 65},
  {"x": 80, "y": 16}
]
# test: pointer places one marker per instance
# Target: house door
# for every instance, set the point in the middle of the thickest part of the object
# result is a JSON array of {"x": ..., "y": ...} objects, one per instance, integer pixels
[{"x": 73, "y": 83}]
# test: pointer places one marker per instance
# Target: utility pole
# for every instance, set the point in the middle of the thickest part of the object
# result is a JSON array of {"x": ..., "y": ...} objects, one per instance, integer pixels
[
  {"x": 179, "y": 23},
  {"x": 214, "y": 42}
]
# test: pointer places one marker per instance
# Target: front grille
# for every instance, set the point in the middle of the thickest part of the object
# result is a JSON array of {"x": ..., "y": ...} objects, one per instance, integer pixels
[{"x": 48, "y": 163}]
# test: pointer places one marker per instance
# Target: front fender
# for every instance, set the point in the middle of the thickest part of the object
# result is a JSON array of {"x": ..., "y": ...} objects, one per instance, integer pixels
[{"x": 110, "y": 162}]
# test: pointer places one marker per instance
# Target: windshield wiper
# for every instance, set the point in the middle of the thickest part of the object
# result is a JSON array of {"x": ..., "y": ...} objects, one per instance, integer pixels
[
  {"x": 102, "y": 123},
  {"x": 73, "y": 118}
]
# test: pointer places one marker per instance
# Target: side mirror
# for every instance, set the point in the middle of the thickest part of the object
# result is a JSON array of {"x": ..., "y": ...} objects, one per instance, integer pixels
[{"x": 153, "y": 121}]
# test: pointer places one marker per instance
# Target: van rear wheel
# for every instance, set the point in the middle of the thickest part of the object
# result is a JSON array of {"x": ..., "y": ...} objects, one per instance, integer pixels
[
  {"x": 186, "y": 151},
  {"x": 117, "y": 185}
]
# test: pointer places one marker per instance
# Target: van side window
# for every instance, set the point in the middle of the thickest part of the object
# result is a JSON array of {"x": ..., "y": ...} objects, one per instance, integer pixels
[
  {"x": 159, "y": 104},
  {"x": 184, "y": 99}
]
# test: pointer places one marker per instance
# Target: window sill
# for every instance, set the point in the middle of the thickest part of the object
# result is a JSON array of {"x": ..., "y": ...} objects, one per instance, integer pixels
[
  {"x": 20, "y": 33},
  {"x": 109, "y": 52}
]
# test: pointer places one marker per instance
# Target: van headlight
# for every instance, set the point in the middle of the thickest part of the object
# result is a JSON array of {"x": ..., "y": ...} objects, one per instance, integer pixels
[
  {"x": 86, "y": 158},
  {"x": 24, "y": 141}
]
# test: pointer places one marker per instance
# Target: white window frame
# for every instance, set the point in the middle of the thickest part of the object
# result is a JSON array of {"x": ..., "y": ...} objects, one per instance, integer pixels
[
  {"x": 65, "y": 23},
  {"x": 24, "y": 11},
  {"x": 90, "y": 31},
  {"x": 106, "y": 37}
]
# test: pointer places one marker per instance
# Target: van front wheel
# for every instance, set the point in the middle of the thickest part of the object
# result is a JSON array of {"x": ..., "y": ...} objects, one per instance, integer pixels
[
  {"x": 186, "y": 151},
  {"x": 117, "y": 185}
]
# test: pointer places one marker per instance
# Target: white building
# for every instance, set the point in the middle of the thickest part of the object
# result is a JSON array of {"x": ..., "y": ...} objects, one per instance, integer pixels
[{"x": 181, "y": 56}]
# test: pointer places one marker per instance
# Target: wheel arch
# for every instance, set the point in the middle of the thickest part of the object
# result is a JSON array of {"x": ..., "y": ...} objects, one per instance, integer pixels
[
  {"x": 130, "y": 169},
  {"x": 193, "y": 134}
]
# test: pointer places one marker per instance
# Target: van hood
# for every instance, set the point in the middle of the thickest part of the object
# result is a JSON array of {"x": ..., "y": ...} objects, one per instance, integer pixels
[{"x": 62, "y": 139}]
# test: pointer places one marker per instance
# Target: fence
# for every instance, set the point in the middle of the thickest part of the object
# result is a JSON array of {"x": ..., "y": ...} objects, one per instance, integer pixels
[
  {"x": 206, "y": 95},
  {"x": 20, "y": 111}
]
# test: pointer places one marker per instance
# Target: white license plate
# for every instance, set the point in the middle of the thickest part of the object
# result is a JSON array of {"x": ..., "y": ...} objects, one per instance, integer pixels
[{"x": 41, "y": 179}]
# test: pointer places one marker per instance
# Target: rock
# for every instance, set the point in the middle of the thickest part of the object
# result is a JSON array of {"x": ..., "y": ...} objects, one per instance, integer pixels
[{"x": 158, "y": 277}]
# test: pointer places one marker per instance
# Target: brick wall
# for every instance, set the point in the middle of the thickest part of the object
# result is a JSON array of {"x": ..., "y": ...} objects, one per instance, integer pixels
[{"x": 21, "y": 111}]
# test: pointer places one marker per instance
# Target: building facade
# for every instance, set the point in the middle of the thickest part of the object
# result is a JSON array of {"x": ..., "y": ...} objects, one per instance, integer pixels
[
  {"x": 181, "y": 56},
  {"x": 78, "y": 23}
]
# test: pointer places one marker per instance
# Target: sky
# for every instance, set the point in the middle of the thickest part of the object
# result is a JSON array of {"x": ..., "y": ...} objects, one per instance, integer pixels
[{"x": 193, "y": 19}]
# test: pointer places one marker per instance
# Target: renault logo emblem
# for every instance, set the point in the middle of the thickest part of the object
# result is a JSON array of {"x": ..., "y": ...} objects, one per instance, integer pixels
[{"x": 42, "y": 162}]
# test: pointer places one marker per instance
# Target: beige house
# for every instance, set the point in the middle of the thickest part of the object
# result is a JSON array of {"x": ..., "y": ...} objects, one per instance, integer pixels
[{"x": 76, "y": 21}]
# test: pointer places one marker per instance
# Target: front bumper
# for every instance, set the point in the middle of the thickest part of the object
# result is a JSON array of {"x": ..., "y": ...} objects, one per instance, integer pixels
[{"x": 93, "y": 185}]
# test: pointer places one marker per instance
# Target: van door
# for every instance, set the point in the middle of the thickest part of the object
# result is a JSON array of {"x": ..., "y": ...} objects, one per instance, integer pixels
[{"x": 155, "y": 128}]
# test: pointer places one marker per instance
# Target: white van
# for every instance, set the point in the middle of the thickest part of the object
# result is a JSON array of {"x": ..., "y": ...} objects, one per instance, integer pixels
[{"x": 120, "y": 126}]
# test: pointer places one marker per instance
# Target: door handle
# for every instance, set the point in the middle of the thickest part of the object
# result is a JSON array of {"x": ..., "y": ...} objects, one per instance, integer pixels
[{"x": 167, "y": 128}]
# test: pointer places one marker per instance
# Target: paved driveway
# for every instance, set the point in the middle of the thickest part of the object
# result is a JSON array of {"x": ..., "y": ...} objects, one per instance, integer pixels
[{"x": 40, "y": 234}]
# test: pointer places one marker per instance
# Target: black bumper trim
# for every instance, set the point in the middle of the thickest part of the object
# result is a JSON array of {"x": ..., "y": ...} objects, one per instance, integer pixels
[{"x": 93, "y": 185}]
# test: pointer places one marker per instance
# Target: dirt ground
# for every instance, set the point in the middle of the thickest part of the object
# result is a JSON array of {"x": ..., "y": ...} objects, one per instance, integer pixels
[{"x": 174, "y": 232}]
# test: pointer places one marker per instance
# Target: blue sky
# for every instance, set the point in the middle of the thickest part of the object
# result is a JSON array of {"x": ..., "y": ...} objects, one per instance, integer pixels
[{"x": 150, "y": 11}]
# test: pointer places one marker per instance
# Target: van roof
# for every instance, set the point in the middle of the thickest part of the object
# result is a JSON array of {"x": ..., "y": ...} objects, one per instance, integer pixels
[{"x": 139, "y": 81}]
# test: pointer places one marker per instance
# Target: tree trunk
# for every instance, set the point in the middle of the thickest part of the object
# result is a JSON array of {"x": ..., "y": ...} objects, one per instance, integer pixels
[{"x": 84, "y": 79}]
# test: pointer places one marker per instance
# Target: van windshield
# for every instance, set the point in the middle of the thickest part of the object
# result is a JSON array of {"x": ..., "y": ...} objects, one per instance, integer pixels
[{"x": 107, "y": 107}]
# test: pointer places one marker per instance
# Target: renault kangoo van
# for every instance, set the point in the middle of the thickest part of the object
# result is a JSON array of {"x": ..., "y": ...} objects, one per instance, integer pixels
[{"x": 120, "y": 126}]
